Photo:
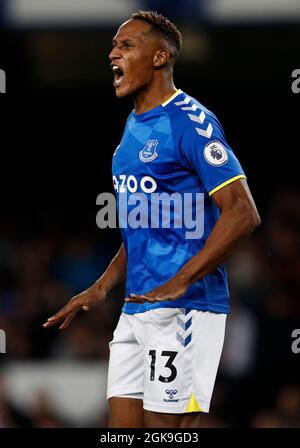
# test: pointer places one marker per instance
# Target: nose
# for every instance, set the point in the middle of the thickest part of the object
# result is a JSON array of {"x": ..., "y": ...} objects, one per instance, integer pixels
[{"x": 115, "y": 54}]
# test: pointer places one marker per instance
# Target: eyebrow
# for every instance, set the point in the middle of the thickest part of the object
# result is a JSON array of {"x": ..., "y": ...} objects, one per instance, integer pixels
[{"x": 114, "y": 41}]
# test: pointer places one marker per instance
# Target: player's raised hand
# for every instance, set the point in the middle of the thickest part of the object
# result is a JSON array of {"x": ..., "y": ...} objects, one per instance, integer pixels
[
  {"x": 171, "y": 290},
  {"x": 85, "y": 300}
]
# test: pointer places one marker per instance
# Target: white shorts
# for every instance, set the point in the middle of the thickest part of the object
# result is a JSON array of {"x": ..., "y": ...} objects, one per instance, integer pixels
[{"x": 168, "y": 357}]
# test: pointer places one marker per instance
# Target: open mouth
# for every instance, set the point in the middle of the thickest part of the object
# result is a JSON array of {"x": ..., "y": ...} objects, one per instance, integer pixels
[{"x": 118, "y": 75}]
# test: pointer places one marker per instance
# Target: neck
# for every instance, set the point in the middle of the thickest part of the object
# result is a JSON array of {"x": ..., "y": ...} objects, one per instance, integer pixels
[{"x": 154, "y": 94}]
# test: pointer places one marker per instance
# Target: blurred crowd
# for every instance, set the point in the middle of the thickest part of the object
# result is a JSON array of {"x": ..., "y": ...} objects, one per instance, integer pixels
[{"x": 258, "y": 380}]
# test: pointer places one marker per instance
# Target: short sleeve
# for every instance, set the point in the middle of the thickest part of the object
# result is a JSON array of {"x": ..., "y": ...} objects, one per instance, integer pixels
[{"x": 205, "y": 150}]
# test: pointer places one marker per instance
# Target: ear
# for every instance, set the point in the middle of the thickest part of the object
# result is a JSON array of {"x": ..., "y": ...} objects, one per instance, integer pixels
[{"x": 161, "y": 57}]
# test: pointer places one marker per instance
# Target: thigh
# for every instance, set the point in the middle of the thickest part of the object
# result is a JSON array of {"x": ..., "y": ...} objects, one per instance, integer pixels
[
  {"x": 164, "y": 420},
  {"x": 125, "y": 413}
]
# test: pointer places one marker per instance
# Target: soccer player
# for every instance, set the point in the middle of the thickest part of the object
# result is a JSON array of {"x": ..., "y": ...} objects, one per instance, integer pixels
[{"x": 166, "y": 348}]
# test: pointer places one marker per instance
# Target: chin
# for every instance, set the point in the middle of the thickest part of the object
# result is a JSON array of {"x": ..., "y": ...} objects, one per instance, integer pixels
[
  {"x": 126, "y": 91},
  {"x": 122, "y": 93}
]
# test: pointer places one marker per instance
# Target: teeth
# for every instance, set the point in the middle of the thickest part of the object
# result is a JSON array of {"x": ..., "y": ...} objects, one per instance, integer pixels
[
  {"x": 118, "y": 81},
  {"x": 118, "y": 74}
]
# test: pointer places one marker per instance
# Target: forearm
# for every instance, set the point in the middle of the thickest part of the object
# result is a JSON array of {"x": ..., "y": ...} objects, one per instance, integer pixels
[
  {"x": 115, "y": 273},
  {"x": 230, "y": 231}
]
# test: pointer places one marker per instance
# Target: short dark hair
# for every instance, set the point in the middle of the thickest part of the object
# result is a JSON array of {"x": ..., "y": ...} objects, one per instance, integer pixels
[{"x": 164, "y": 26}]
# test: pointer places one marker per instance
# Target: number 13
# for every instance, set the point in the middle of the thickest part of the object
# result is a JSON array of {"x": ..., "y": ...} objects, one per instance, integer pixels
[{"x": 169, "y": 364}]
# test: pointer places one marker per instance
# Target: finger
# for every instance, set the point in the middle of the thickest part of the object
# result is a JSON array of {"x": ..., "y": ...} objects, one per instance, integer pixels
[
  {"x": 144, "y": 299},
  {"x": 67, "y": 321},
  {"x": 48, "y": 324},
  {"x": 154, "y": 299},
  {"x": 138, "y": 296},
  {"x": 150, "y": 296},
  {"x": 135, "y": 300},
  {"x": 58, "y": 316},
  {"x": 53, "y": 321},
  {"x": 87, "y": 305},
  {"x": 63, "y": 313}
]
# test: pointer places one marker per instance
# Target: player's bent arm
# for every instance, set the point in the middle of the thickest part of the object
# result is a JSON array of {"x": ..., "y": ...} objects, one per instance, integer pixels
[
  {"x": 238, "y": 219},
  {"x": 114, "y": 274}
]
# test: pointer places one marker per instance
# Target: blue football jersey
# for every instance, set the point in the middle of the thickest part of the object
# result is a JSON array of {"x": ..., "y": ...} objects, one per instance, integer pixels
[{"x": 171, "y": 159}]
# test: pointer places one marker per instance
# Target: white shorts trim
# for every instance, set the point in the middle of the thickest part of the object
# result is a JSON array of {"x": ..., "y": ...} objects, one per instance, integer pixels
[
  {"x": 175, "y": 409},
  {"x": 120, "y": 394}
]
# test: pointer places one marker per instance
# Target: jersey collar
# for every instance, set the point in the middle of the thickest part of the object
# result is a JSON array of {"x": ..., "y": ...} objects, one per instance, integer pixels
[{"x": 178, "y": 91}]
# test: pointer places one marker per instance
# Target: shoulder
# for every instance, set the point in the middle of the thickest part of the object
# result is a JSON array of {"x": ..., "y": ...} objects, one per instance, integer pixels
[
  {"x": 130, "y": 118},
  {"x": 191, "y": 118}
]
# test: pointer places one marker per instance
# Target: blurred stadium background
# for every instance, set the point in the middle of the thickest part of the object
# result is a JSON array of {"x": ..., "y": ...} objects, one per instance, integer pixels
[{"x": 60, "y": 125}]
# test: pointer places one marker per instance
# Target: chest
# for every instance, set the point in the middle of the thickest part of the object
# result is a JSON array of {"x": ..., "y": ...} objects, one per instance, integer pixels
[{"x": 146, "y": 149}]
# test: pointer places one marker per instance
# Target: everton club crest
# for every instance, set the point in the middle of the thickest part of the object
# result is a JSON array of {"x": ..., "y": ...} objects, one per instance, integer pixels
[{"x": 149, "y": 153}]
